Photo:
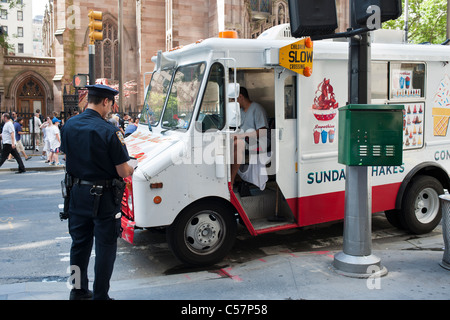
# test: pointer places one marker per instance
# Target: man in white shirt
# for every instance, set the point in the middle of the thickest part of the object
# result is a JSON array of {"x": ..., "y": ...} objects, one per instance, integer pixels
[
  {"x": 253, "y": 119},
  {"x": 35, "y": 129},
  {"x": 9, "y": 143}
]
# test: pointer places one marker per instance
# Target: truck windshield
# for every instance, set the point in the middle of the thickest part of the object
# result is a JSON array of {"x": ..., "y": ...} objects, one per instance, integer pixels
[
  {"x": 183, "y": 96},
  {"x": 155, "y": 98}
]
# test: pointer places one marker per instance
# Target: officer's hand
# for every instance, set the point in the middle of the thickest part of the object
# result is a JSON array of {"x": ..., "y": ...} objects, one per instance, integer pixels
[{"x": 124, "y": 170}]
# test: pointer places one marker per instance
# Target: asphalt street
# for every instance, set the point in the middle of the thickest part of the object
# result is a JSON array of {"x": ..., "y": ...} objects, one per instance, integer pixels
[{"x": 276, "y": 270}]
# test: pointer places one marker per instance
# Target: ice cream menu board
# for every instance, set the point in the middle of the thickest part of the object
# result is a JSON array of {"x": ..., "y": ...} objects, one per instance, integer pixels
[
  {"x": 413, "y": 125},
  {"x": 402, "y": 85}
]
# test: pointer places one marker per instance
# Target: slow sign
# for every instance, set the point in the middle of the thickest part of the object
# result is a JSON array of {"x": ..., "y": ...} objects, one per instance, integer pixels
[{"x": 298, "y": 57}]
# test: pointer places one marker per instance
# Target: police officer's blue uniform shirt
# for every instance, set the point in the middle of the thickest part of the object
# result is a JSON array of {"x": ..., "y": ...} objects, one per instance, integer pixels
[{"x": 93, "y": 147}]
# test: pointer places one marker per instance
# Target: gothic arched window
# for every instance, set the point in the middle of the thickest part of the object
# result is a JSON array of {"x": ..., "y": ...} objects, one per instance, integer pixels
[
  {"x": 260, "y": 5},
  {"x": 107, "y": 53}
]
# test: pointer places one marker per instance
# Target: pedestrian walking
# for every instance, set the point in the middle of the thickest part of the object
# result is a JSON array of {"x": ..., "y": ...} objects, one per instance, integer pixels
[
  {"x": 96, "y": 162},
  {"x": 46, "y": 148},
  {"x": 54, "y": 138},
  {"x": 9, "y": 143},
  {"x": 18, "y": 134},
  {"x": 35, "y": 129}
]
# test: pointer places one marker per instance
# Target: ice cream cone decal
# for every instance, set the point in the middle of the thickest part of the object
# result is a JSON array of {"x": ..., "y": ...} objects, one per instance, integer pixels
[{"x": 441, "y": 108}]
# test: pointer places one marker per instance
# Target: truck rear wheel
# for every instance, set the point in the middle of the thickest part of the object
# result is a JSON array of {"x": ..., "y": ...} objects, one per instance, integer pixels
[
  {"x": 203, "y": 234},
  {"x": 421, "y": 206}
]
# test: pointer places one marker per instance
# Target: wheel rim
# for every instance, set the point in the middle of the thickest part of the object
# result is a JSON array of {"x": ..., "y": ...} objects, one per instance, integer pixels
[
  {"x": 204, "y": 232},
  {"x": 427, "y": 205}
]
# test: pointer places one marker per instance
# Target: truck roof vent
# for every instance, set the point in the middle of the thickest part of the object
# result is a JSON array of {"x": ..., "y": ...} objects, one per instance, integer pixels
[
  {"x": 280, "y": 32},
  {"x": 388, "y": 36}
]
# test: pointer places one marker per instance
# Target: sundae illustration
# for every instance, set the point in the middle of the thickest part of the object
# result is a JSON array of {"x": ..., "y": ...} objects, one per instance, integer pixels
[{"x": 325, "y": 104}]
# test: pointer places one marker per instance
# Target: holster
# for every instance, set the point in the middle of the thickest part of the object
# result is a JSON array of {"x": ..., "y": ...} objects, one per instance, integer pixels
[
  {"x": 118, "y": 188},
  {"x": 97, "y": 192},
  {"x": 66, "y": 186}
]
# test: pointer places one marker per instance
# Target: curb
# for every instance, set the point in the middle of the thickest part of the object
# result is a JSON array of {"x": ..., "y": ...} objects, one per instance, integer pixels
[{"x": 49, "y": 168}]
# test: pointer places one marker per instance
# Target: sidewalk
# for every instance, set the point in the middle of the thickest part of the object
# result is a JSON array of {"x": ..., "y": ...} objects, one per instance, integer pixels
[
  {"x": 34, "y": 164},
  {"x": 414, "y": 273}
]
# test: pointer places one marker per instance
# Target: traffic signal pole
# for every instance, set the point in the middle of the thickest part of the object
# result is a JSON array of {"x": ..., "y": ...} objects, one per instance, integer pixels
[
  {"x": 91, "y": 64},
  {"x": 356, "y": 259},
  {"x": 95, "y": 33}
]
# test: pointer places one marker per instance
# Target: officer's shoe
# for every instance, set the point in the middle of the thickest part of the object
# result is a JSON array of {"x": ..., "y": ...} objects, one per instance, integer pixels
[{"x": 80, "y": 294}]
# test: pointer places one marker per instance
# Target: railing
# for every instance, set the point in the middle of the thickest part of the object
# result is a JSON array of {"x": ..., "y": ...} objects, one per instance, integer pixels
[{"x": 27, "y": 138}]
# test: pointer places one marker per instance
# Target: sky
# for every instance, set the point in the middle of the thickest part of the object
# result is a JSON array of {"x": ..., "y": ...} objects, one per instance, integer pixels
[{"x": 39, "y": 7}]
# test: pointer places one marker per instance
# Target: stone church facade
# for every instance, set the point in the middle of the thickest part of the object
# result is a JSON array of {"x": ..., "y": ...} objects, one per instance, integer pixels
[{"x": 148, "y": 26}]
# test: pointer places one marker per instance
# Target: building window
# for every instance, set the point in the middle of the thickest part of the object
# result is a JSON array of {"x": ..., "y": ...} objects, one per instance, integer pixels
[
  {"x": 5, "y": 30},
  {"x": 20, "y": 48},
  {"x": 19, "y": 15},
  {"x": 260, "y": 5},
  {"x": 4, "y": 14},
  {"x": 107, "y": 53},
  {"x": 20, "y": 32}
]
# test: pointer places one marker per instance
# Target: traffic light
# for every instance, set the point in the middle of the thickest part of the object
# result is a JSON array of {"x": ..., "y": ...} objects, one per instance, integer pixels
[
  {"x": 312, "y": 17},
  {"x": 95, "y": 26},
  {"x": 80, "y": 80}
]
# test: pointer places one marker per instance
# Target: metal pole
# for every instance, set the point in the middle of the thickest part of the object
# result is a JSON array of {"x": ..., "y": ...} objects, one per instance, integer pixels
[
  {"x": 91, "y": 64},
  {"x": 448, "y": 19},
  {"x": 120, "y": 56},
  {"x": 356, "y": 259},
  {"x": 406, "y": 21}
]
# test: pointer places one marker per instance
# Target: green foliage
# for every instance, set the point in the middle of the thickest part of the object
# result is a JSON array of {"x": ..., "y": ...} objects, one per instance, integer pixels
[{"x": 427, "y": 21}]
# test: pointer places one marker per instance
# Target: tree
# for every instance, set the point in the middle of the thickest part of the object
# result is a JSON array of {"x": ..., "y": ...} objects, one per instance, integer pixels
[{"x": 427, "y": 21}]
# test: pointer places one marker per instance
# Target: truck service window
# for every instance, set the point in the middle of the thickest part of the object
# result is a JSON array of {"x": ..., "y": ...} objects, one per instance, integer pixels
[{"x": 407, "y": 80}]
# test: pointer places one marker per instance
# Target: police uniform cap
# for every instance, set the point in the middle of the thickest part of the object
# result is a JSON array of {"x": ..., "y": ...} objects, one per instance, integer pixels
[{"x": 102, "y": 91}]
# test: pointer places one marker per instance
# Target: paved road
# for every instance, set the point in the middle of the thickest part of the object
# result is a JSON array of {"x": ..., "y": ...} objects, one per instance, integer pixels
[{"x": 292, "y": 264}]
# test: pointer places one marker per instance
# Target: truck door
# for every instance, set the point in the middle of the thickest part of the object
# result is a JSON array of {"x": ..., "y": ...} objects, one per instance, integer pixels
[{"x": 285, "y": 144}]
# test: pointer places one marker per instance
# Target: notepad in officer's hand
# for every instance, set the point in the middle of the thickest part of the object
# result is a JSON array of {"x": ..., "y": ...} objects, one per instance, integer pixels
[{"x": 133, "y": 162}]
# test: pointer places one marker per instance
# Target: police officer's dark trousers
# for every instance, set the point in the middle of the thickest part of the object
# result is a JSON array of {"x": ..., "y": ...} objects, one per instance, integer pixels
[{"x": 83, "y": 228}]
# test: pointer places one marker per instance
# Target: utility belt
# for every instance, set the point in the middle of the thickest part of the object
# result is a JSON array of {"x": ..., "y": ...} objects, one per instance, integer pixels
[
  {"x": 99, "y": 183},
  {"x": 117, "y": 186}
]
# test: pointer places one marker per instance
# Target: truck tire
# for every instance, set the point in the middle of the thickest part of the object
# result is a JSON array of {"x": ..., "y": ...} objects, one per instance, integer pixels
[
  {"x": 421, "y": 211},
  {"x": 202, "y": 234},
  {"x": 393, "y": 216}
]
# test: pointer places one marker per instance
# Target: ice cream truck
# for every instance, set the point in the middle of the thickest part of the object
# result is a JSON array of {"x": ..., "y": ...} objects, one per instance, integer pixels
[{"x": 184, "y": 143}]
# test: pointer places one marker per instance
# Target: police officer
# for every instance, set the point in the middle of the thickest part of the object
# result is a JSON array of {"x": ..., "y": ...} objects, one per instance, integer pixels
[{"x": 96, "y": 158}]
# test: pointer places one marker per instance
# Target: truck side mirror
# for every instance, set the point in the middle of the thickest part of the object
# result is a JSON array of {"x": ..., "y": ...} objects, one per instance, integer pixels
[{"x": 233, "y": 111}]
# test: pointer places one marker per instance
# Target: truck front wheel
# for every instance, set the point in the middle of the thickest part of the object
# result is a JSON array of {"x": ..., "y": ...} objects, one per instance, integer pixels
[
  {"x": 202, "y": 234},
  {"x": 421, "y": 207}
]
